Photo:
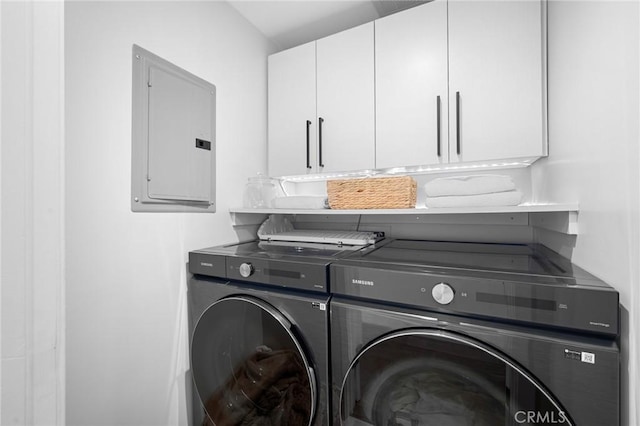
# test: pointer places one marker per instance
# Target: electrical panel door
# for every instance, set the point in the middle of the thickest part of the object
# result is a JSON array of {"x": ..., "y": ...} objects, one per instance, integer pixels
[{"x": 174, "y": 138}]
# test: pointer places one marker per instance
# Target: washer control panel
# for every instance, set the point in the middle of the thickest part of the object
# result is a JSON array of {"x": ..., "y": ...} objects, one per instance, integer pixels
[{"x": 442, "y": 293}]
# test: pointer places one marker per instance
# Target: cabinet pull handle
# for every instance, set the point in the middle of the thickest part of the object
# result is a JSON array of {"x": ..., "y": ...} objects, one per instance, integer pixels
[
  {"x": 438, "y": 124},
  {"x": 458, "y": 123},
  {"x": 308, "y": 157},
  {"x": 320, "y": 121}
]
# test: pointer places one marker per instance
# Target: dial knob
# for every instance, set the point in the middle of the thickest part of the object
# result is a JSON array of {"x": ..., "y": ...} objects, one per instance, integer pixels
[
  {"x": 442, "y": 293},
  {"x": 246, "y": 269}
]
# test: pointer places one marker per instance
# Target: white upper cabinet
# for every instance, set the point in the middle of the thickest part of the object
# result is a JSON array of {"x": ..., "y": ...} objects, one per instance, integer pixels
[
  {"x": 321, "y": 105},
  {"x": 484, "y": 60},
  {"x": 440, "y": 83},
  {"x": 292, "y": 111},
  {"x": 345, "y": 100},
  {"x": 411, "y": 87},
  {"x": 497, "y": 91}
]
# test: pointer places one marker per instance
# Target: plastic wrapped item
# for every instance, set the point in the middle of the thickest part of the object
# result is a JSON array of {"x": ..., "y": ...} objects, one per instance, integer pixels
[
  {"x": 275, "y": 224},
  {"x": 260, "y": 191}
]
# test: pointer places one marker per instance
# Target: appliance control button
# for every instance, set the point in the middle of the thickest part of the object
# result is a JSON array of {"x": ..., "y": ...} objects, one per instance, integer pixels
[
  {"x": 246, "y": 269},
  {"x": 442, "y": 293}
]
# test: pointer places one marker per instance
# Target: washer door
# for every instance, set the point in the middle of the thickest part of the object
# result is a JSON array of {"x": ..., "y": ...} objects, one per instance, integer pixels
[
  {"x": 435, "y": 377},
  {"x": 248, "y": 366}
]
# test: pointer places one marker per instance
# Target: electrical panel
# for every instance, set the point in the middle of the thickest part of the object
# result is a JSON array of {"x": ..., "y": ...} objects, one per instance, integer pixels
[{"x": 173, "y": 137}]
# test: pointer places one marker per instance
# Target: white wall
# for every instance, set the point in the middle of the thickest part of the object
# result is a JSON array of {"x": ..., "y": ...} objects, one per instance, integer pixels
[
  {"x": 32, "y": 213},
  {"x": 126, "y": 272},
  {"x": 594, "y": 155}
]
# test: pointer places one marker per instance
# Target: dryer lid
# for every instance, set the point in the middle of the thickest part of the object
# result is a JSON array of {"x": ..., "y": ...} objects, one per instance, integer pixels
[{"x": 523, "y": 259}]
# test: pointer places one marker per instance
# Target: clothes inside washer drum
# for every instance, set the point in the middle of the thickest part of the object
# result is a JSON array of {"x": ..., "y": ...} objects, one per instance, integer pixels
[
  {"x": 437, "y": 398},
  {"x": 271, "y": 388}
]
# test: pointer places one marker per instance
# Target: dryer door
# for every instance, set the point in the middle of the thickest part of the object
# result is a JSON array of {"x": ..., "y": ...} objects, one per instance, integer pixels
[
  {"x": 249, "y": 367},
  {"x": 435, "y": 377}
]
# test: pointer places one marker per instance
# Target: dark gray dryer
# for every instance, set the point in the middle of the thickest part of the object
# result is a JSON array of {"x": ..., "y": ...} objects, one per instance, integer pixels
[
  {"x": 436, "y": 333},
  {"x": 259, "y": 328}
]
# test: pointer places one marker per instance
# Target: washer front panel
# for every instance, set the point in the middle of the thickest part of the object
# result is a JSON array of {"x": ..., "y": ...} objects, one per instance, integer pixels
[
  {"x": 249, "y": 367},
  {"x": 428, "y": 376},
  {"x": 383, "y": 356}
]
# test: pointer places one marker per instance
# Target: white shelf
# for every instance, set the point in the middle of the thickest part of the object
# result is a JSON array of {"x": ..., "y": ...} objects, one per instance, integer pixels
[
  {"x": 523, "y": 208},
  {"x": 555, "y": 217}
]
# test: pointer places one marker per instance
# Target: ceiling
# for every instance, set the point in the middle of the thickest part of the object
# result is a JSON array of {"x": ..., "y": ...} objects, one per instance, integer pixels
[{"x": 288, "y": 23}]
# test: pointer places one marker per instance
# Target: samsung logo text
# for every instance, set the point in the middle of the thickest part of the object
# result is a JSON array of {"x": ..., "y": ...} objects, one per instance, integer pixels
[{"x": 362, "y": 282}]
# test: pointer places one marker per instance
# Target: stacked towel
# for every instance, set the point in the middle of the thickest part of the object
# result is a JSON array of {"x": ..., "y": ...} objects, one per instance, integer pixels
[
  {"x": 301, "y": 202},
  {"x": 472, "y": 191},
  {"x": 507, "y": 198},
  {"x": 469, "y": 185}
]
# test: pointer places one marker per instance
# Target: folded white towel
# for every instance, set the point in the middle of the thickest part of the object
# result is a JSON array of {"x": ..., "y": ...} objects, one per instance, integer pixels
[
  {"x": 301, "y": 202},
  {"x": 507, "y": 198},
  {"x": 469, "y": 185}
]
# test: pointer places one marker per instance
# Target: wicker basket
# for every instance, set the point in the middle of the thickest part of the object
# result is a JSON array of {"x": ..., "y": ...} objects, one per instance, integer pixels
[{"x": 398, "y": 192}]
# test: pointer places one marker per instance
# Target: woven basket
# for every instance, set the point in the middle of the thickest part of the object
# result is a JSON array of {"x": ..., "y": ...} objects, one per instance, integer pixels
[{"x": 398, "y": 192}]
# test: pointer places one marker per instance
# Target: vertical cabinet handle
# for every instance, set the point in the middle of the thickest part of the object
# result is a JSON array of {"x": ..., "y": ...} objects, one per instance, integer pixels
[
  {"x": 438, "y": 125},
  {"x": 308, "y": 136},
  {"x": 320, "y": 121},
  {"x": 458, "y": 123}
]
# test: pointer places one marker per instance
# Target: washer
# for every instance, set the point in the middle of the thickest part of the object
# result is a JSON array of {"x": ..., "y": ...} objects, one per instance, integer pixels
[
  {"x": 439, "y": 333},
  {"x": 259, "y": 328}
]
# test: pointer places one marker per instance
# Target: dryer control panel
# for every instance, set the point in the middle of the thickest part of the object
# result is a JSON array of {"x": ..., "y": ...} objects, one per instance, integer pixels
[{"x": 510, "y": 282}]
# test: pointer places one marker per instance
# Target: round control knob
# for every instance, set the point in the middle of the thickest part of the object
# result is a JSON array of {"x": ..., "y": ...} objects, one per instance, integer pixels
[
  {"x": 246, "y": 269},
  {"x": 442, "y": 293}
]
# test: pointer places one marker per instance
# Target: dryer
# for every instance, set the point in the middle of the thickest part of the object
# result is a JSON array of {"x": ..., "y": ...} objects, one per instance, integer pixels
[
  {"x": 259, "y": 326},
  {"x": 439, "y": 333}
]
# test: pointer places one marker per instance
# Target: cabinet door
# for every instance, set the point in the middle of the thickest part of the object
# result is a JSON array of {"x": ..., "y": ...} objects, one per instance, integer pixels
[
  {"x": 411, "y": 87},
  {"x": 292, "y": 111},
  {"x": 345, "y": 100},
  {"x": 496, "y": 81}
]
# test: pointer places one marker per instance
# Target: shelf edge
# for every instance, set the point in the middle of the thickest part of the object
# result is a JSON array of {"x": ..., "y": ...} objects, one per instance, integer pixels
[{"x": 526, "y": 208}]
